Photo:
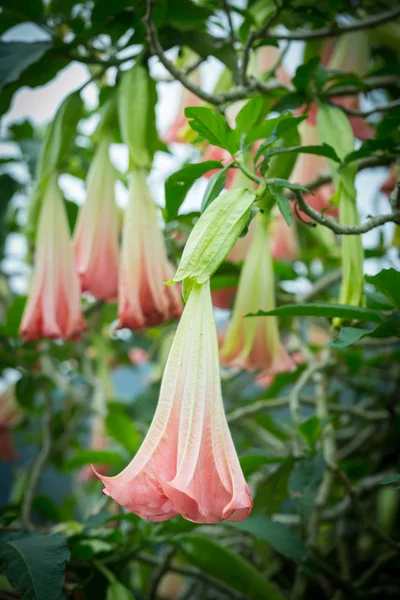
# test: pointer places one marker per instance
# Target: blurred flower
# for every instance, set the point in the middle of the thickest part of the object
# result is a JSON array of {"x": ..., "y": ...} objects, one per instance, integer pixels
[
  {"x": 98, "y": 441},
  {"x": 53, "y": 307},
  {"x": 96, "y": 234},
  {"x": 350, "y": 54},
  {"x": 180, "y": 131},
  {"x": 284, "y": 244},
  {"x": 144, "y": 300},
  {"x": 138, "y": 356},
  {"x": 254, "y": 343},
  {"x": 310, "y": 166},
  {"x": 11, "y": 415},
  {"x": 187, "y": 463}
]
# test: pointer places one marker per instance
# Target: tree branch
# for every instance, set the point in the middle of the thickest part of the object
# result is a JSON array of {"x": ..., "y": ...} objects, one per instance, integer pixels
[
  {"x": 334, "y": 30},
  {"x": 366, "y": 113},
  {"x": 334, "y": 226}
]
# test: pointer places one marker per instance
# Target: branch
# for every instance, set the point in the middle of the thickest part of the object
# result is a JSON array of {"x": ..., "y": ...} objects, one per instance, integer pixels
[
  {"x": 334, "y": 226},
  {"x": 37, "y": 466},
  {"x": 369, "y": 22},
  {"x": 366, "y": 113}
]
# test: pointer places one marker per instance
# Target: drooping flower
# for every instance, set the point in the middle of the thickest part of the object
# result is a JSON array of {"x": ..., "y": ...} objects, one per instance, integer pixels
[
  {"x": 11, "y": 415},
  {"x": 350, "y": 54},
  {"x": 187, "y": 463},
  {"x": 284, "y": 244},
  {"x": 144, "y": 300},
  {"x": 96, "y": 234},
  {"x": 310, "y": 166},
  {"x": 53, "y": 307},
  {"x": 179, "y": 131},
  {"x": 254, "y": 343}
]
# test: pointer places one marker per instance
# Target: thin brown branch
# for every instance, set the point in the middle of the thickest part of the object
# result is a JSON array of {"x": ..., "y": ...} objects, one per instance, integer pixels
[
  {"x": 334, "y": 30},
  {"x": 376, "y": 109}
]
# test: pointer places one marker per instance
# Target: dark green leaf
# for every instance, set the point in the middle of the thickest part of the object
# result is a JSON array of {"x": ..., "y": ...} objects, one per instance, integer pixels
[
  {"x": 16, "y": 57},
  {"x": 283, "y": 204},
  {"x": 391, "y": 479},
  {"x": 95, "y": 457},
  {"x": 223, "y": 564},
  {"x": 214, "y": 187},
  {"x": 303, "y": 483},
  {"x": 274, "y": 490},
  {"x": 121, "y": 428},
  {"x": 330, "y": 311},
  {"x": 290, "y": 186},
  {"x": 213, "y": 127},
  {"x": 34, "y": 563},
  {"x": 185, "y": 15},
  {"x": 349, "y": 335},
  {"x": 14, "y": 316},
  {"x": 305, "y": 73},
  {"x": 272, "y": 129},
  {"x": 311, "y": 430},
  {"x": 28, "y": 10},
  {"x": 252, "y": 462},
  {"x": 25, "y": 391},
  {"x": 178, "y": 184},
  {"x": 249, "y": 115},
  {"x": 283, "y": 539},
  {"x": 117, "y": 591},
  {"x": 323, "y": 150},
  {"x": 388, "y": 283}
]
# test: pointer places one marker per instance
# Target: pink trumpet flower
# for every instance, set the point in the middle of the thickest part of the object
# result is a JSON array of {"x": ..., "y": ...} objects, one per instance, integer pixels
[
  {"x": 254, "y": 343},
  {"x": 311, "y": 166},
  {"x": 179, "y": 132},
  {"x": 144, "y": 300},
  {"x": 96, "y": 234},
  {"x": 53, "y": 308},
  {"x": 187, "y": 463}
]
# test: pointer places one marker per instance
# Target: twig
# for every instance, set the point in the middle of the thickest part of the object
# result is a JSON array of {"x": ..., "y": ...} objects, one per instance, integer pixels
[
  {"x": 366, "y": 113},
  {"x": 369, "y": 22},
  {"x": 334, "y": 226},
  {"x": 359, "y": 509},
  {"x": 192, "y": 572},
  {"x": 227, "y": 10},
  {"x": 160, "y": 571},
  {"x": 318, "y": 287},
  {"x": 37, "y": 466}
]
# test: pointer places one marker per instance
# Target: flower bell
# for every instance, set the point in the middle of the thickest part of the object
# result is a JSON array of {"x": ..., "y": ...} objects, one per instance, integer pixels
[
  {"x": 144, "y": 300},
  {"x": 96, "y": 235},
  {"x": 53, "y": 308},
  {"x": 187, "y": 463},
  {"x": 254, "y": 343}
]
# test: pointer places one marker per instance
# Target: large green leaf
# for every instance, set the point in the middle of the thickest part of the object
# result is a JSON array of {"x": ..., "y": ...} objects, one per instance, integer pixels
[
  {"x": 59, "y": 135},
  {"x": 349, "y": 335},
  {"x": 95, "y": 457},
  {"x": 178, "y": 184},
  {"x": 387, "y": 282},
  {"x": 283, "y": 539},
  {"x": 121, "y": 428},
  {"x": 330, "y": 311},
  {"x": 272, "y": 492},
  {"x": 303, "y": 483},
  {"x": 16, "y": 57},
  {"x": 28, "y": 10},
  {"x": 249, "y": 115},
  {"x": 213, "y": 127},
  {"x": 221, "y": 563},
  {"x": 34, "y": 563}
]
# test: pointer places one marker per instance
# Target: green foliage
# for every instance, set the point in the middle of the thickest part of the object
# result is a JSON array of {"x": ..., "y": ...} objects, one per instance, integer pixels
[
  {"x": 213, "y": 127},
  {"x": 34, "y": 563}
]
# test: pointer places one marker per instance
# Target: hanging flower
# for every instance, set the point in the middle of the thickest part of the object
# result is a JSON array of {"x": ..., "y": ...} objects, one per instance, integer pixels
[
  {"x": 187, "y": 463},
  {"x": 254, "y": 343},
  {"x": 144, "y": 300},
  {"x": 53, "y": 307},
  {"x": 310, "y": 166},
  {"x": 96, "y": 234}
]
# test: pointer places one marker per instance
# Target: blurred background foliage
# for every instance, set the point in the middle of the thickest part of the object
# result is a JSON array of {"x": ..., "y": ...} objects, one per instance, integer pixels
[{"x": 314, "y": 532}]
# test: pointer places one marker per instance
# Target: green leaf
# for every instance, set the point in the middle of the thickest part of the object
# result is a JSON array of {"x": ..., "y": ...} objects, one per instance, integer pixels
[
  {"x": 252, "y": 462},
  {"x": 391, "y": 479},
  {"x": 274, "y": 128},
  {"x": 249, "y": 115},
  {"x": 283, "y": 204},
  {"x": 16, "y": 57},
  {"x": 214, "y": 235},
  {"x": 34, "y": 563},
  {"x": 305, "y": 73},
  {"x": 214, "y": 187},
  {"x": 117, "y": 591},
  {"x": 213, "y": 127},
  {"x": 28, "y": 10},
  {"x": 224, "y": 565},
  {"x": 330, "y": 311},
  {"x": 95, "y": 457},
  {"x": 187, "y": 16},
  {"x": 25, "y": 390},
  {"x": 178, "y": 184},
  {"x": 349, "y": 335},
  {"x": 291, "y": 186},
  {"x": 272, "y": 492},
  {"x": 59, "y": 135},
  {"x": 323, "y": 150},
  {"x": 311, "y": 430},
  {"x": 303, "y": 483},
  {"x": 282, "y": 539},
  {"x": 121, "y": 428},
  {"x": 388, "y": 283}
]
